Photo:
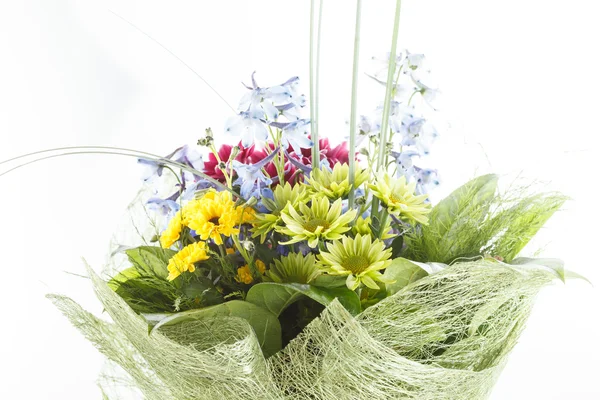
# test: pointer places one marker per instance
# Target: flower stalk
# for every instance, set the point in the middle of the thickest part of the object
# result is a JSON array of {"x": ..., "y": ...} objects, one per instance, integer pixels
[
  {"x": 314, "y": 60},
  {"x": 383, "y": 135},
  {"x": 353, "y": 105}
]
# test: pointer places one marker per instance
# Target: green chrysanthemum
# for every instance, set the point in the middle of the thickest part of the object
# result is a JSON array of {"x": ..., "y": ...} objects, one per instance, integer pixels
[
  {"x": 320, "y": 221},
  {"x": 363, "y": 227},
  {"x": 282, "y": 195},
  {"x": 400, "y": 199},
  {"x": 294, "y": 268},
  {"x": 360, "y": 259},
  {"x": 335, "y": 184}
]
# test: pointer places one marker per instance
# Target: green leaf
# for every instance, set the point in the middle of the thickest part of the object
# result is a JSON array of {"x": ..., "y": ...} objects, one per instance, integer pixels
[
  {"x": 403, "y": 272},
  {"x": 151, "y": 260},
  {"x": 154, "y": 318},
  {"x": 276, "y": 297},
  {"x": 266, "y": 325},
  {"x": 454, "y": 228},
  {"x": 475, "y": 194},
  {"x": 329, "y": 281},
  {"x": 397, "y": 245},
  {"x": 203, "y": 289},
  {"x": 554, "y": 265},
  {"x": 525, "y": 219},
  {"x": 122, "y": 277}
]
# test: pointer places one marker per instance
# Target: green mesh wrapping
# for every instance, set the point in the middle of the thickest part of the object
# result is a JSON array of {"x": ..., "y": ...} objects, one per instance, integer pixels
[{"x": 445, "y": 336}]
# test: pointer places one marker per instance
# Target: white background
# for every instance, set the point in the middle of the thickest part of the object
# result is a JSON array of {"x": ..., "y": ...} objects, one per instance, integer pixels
[{"x": 520, "y": 86}]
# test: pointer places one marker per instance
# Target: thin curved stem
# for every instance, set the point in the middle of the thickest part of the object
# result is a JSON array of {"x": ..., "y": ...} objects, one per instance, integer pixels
[
  {"x": 66, "y": 151},
  {"x": 177, "y": 58},
  {"x": 353, "y": 106}
]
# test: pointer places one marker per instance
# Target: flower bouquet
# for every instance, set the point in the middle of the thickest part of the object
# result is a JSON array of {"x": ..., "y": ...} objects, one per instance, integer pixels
[{"x": 289, "y": 267}]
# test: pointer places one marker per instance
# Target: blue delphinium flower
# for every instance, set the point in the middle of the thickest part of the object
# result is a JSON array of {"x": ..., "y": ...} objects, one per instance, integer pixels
[
  {"x": 188, "y": 156},
  {"x": 409, "y": 121},
  {"x": 183, "y": 155},
  {"x": 426, "y": 179},
  {"x": 294, "y": 134},
  {"x": 261, "y": 106},
  {"x": 164, "y": 207},
  {"x": 251, "y": 178},
  {"x": 249, "y": 127}
]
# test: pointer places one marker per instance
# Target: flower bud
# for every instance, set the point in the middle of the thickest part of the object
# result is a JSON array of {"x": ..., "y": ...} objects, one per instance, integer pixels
[{"x": 248, "y": 246}]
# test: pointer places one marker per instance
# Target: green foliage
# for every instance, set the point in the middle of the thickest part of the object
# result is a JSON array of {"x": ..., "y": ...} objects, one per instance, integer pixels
[
  {"x": 519, "y": 223},
  {"x": 144, "y": 293},
  {"x": 397, "y": 246},
  {"x": 145, "y": 288},
  {"x": 265, "y": 324},
  {"x": 276, "y": 297},
  {"x": 474, "y": 220},
  {"x": 402, "y": 272},
  {"x": 151, "y": 260}
]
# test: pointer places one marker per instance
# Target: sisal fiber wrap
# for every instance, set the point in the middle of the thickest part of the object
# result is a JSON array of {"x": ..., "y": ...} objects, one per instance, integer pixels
[{"x": 444, "y": 337}]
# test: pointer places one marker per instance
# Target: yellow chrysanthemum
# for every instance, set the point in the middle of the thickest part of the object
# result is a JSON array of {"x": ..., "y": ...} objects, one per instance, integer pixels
[
  {"x": 212, "y": 216},
  {"x": 185, "y": 259},
  {"x": 360, "y": 259},
  {"x": 335, "y": 184},
  {"x": 282, "y": 195},
  {"x": 320, "y": 221},
  {"x": 400, "y": 199},
  {"x": 173, "y": 231},
  {"x": 245, "y": 276},
  {"x": 294, "y": 268}
]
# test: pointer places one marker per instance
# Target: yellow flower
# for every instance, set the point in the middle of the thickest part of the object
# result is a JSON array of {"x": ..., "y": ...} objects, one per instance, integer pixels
[
  {"x": 185, "y": 259},
  {"x": 360, "y": 259},
  {"x": 320, "y": 221},
  {"x": 173, "y": 231},
  {"x": 212, "y": 216},
  {"x": 400, "y": 199},
  {"x": 245, "y": 276},
  {"x": 335, "y": 184}
]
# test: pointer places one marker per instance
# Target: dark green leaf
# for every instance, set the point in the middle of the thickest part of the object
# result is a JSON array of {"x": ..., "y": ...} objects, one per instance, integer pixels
[
  {"x": 276, "y": 297},
  {"x": 397, "y": 245},
  {"x": 204, "y": 291}
]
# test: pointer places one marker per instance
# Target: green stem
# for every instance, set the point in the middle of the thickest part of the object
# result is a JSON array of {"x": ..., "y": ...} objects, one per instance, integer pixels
[
  {"x": 387, "y": 103},
  {"x": 388, "y": 89},
  {"x": 314, "y": 82},
  {"x": 383, "y": 223},
  {"x": 353, "y": 105}
]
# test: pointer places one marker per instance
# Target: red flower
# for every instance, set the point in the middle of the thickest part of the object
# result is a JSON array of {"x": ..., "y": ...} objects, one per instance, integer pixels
[
  {"x": 332, "y": 155},
  {"x": 248, "y": 155},
  {"x": 291, "y": 176}
]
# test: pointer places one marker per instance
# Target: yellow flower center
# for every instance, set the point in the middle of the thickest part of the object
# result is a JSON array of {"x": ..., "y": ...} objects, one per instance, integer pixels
[
  {"x": 395, "y": 199},
  {"x": 313, "y": 224},
  {"x": 356, "y": 264}
]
